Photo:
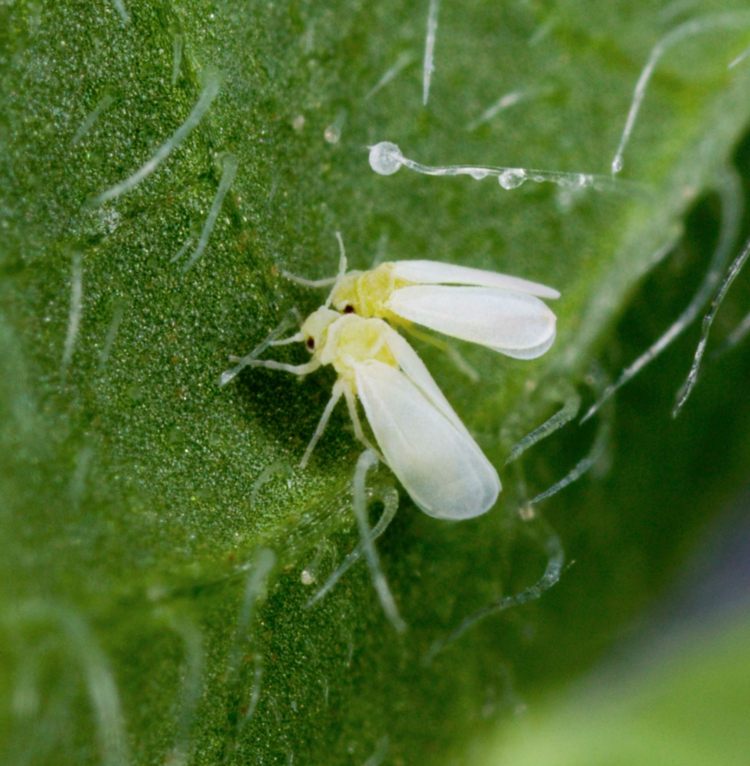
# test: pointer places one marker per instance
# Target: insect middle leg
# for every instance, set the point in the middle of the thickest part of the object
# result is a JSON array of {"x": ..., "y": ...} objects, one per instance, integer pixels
[
  {"x": 351, "y": 405},
  {"x": 338, "y": 390}
]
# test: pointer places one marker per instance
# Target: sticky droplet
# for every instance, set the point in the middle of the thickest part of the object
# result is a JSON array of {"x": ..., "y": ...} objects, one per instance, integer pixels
[
  {"x": 385, "y": 158},
  {"x": 512, "y": 178}
]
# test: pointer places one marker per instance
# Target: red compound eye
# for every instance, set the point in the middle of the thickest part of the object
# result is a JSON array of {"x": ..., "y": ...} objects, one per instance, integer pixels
[
  {"x": 310, "y": 343},
  {"x": 348, "y": 309}
]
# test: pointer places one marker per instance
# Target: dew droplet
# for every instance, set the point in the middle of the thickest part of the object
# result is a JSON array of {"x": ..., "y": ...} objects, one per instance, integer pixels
[
  {"x": 478, "y": 174},
  {"x": 512, "y": 178},
  {"x": 385, "y": 158},
  {"x": 575, "y": 182}
]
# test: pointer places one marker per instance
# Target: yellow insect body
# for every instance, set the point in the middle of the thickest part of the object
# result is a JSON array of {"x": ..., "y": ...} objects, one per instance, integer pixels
[
  {"x": 367, "y": 292},
  {"x": 419, "y": 435},
  {"x": 495, "y": 310},
  {"x": 344, "y": 341}
]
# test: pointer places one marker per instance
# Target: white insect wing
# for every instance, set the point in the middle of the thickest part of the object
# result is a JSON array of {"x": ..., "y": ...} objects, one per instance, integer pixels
[
  {"x": 439, "y": 465},
  {"x": 416, "y": 370},
  {"x": 436, "y": 273},
  {"x": 516, "y": 324}
]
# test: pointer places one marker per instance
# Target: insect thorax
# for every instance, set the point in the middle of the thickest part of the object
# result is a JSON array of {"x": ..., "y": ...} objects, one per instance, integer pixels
[
  {"x": 353, "y": 339},
  {"x": 367, "y": 292}
]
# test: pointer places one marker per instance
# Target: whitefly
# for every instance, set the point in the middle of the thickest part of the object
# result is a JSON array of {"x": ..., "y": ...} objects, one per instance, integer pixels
[
  {"x": 417, "y": 432},
  {"x": 504, "y": 313}
]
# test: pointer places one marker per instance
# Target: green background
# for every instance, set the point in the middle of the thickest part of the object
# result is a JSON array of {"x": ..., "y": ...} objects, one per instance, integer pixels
[{"x": 140, "y": 500}]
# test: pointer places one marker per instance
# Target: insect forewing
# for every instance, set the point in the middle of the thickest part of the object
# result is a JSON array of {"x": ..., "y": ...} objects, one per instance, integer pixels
[
  {"x": 436, "y": 273},
  {"x": 516, "y": 324},
  {"x": 423, "y": 440},
  {"x": 417, "y": 372},
  {"x": 440, "y": 466}
]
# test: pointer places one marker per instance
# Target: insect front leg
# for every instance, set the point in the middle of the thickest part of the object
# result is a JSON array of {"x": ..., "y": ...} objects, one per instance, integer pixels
[
  {"x": 327, "y": 282},
  {"x": 341, "y": 271},
  {"x": 241, "y": 362},
  {"x": 294, "y": 369}
]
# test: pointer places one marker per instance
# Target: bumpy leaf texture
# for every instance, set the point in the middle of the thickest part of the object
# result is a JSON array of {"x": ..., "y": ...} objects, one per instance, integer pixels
[{"x": 161, "y": 164}]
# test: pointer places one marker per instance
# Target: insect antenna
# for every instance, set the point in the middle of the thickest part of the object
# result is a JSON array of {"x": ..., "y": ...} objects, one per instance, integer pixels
[{"x": 341, "y": 271}]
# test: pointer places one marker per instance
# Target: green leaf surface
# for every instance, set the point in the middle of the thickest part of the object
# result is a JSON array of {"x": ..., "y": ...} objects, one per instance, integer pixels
[
  {"x": 685, "y": 704},
  {"x": 142, "y": 503}
]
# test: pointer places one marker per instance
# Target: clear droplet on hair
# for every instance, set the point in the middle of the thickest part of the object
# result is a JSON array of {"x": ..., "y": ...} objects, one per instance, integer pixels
[
  {"x": 478, "y": 174},
  {"x": 512, "y": 178},
  {"x": 385, "y": 158}
]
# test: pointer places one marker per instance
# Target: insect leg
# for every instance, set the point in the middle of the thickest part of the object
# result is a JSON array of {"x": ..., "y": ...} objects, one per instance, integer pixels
[
  {"x": 338, "y": 390},
  {"x": 296, "y": 338},
  {"x": 327, "y": 282},
  {"x": 341, "y": 271},
  {"x": 294, "y": 369},
  {"x": 242, "y": 361},
  {"x": 351, "y": 405}
]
